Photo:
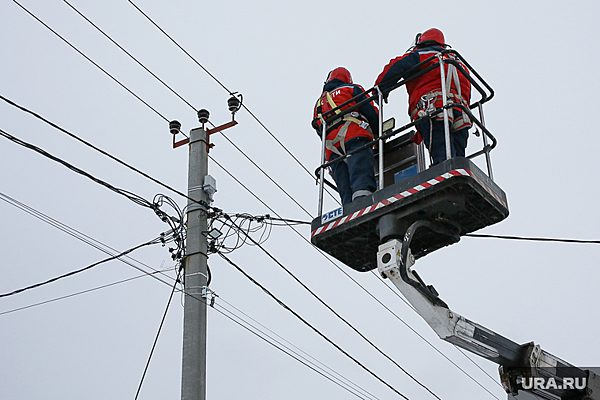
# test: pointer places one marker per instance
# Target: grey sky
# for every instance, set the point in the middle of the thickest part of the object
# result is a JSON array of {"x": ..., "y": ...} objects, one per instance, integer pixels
[{"x": 540, "y": 58}]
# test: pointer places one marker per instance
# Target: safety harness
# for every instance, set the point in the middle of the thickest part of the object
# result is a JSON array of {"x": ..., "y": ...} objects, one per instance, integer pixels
[
  {"x": 426, "y": 104},
  {"x": 345, "y": 121}
]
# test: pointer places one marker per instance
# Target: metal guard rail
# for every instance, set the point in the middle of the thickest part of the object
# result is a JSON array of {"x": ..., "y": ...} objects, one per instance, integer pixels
[{"x": 388, "y": 135}]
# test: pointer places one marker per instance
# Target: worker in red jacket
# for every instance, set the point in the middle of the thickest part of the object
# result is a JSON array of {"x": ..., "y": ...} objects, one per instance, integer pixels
[
  {"x": 425, "y": 94},
  {"x": 354, "y": 175}
]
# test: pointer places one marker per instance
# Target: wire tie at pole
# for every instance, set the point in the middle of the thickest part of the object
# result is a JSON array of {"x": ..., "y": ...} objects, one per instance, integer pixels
[{"x": 206, "y": 293}]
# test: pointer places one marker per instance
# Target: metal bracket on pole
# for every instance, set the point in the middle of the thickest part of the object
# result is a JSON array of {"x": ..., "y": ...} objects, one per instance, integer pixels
[
  {"x": 175, "y": 126},
  {"x": 181, "y": 142},
  {"x": 220, "y": 128},
  {"x": 209, "y": 295}
]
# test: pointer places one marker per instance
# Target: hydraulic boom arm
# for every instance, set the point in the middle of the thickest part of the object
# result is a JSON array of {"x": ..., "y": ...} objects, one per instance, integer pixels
[{"x": 522, "y": 366}]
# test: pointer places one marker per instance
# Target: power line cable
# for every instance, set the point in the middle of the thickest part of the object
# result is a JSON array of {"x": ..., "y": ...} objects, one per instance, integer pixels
[
  {"x": 80, "y": 270},
  {"x": 534, "y": 239},
  {"x": 312, "y": 327},
  {"x": 311, "y": 292},
  {"x": 176, "y": 223},
  {"x": 287, "y": 220},
  {"x": 131, "y": 196},
  {"x": 332, "y": 376},
  {"x": 478, "y": 366},
  {"x": 52, "y": 300},
  {"x": 149, "y": 274},
  {"x": 83, "y": 237},
  {"x": 177, "y": 44},
  {"x": 282, "y": 349},
  {"x": 162, "y": 321},
  {"x": 87, "y": 239},
  {"x": 229, "y": 92},
  {"x": 129, "y": 54},
  {"x": 324, "y": 366},
  {"x": 91, "y": 61},
  {"x": 268, "y": 176},
  {"x": 268, "y": 217}
]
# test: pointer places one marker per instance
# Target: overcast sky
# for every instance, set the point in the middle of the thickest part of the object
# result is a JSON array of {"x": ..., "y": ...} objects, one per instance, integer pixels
[{"x": 540, "y": 58}]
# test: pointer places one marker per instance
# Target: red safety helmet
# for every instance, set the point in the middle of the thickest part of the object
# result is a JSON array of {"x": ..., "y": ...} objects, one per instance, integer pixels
[
  {"x": 431, "y": 35},
  {"x": 341, "y": 74}
]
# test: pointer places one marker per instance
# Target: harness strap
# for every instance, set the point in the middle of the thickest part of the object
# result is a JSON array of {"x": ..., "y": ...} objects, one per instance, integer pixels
[
  {"x": 452, "y": 77},
  {"x": 354, "y": 117},
  {"x": 331, "y": 102},
  {"x": 427, "y": 105},
  {"x": 345, "y": 120},
  {"x": 340, "y": 138}
]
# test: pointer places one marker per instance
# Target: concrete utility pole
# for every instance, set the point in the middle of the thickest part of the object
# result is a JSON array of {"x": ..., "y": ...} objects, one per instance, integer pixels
[
  {"x": 193, "y": 378},
  {"x": 201, "y": 188}
]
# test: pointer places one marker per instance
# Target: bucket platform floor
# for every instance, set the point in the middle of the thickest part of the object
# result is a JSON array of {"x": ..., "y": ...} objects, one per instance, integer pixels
[{"x": 455, "y": 192}]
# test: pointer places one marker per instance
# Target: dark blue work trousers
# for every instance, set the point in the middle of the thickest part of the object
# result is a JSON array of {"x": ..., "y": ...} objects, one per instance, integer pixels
[
  {"x": 436, "y": 141},
  {"x": 356, "y": 172}
]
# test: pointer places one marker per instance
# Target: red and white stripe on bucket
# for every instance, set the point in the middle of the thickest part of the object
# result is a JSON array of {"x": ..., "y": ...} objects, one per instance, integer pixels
[{"x": 392, "y": 199}]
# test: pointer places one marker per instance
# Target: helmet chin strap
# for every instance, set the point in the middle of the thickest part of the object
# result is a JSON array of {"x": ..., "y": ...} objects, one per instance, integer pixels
[
  {"x": 418, "y": 38},
  {"x": 414, "y": 44}
]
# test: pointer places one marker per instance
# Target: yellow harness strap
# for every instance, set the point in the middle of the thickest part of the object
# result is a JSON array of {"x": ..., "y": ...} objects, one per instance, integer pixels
[{"x": 341, "y": 135}]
